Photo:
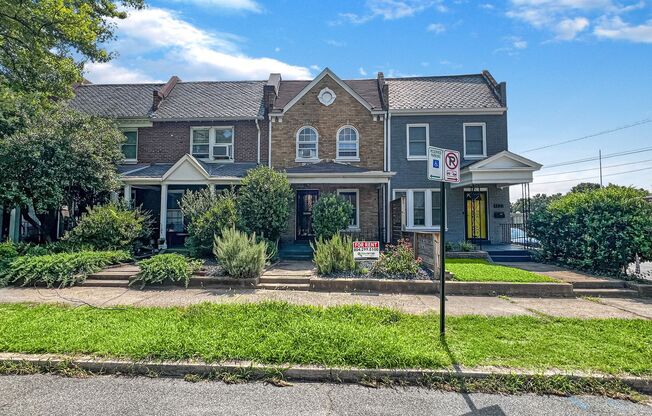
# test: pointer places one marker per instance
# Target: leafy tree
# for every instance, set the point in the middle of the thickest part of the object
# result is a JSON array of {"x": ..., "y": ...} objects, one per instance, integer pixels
[
  {"x": 599, "y": 231},
  {"x": 264, "y": 202},
  {"x": 330, "y": 214},
  {"x": 195, "y": 203},
  {"x": 204, "y": 227},
  {"x": 585, "y": 187},
  {"x": 537, "y": 202},
  {"x": 62, "y": 158}
]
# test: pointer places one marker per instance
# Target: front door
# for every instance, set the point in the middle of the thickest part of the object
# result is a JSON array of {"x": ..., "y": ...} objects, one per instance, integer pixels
[
  {"x": 305, "y": 202},
  {"x": 476, "y": 215}
]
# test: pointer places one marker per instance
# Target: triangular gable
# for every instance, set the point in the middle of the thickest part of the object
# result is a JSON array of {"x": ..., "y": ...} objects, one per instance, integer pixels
[
  {"x": 505, "y": 160},
  {"x": 187, "y": 169},
  {"x": 316, "y": 81}
]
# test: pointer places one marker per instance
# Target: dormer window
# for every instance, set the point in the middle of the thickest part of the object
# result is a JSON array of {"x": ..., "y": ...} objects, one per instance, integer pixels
[
  {"x": 307, "y": 144},
  {"x": 212, "y": 143},
  {"x": 348, "y": 143}
]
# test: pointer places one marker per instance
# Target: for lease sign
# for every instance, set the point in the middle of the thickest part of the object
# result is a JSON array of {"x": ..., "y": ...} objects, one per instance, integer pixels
[{"x": 366, "y": 250}]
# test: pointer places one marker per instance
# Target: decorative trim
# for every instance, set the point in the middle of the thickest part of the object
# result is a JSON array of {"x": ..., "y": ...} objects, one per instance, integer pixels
[{"x": 324, "y": 96}]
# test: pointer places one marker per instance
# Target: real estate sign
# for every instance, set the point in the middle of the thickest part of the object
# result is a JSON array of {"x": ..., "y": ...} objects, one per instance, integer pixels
[
  {"x": 366, "y": 250},
  {"x": 443, "y": 165}
]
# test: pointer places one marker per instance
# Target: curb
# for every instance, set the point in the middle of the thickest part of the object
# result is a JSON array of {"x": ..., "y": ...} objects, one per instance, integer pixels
[{"x": 179, "y": 369}]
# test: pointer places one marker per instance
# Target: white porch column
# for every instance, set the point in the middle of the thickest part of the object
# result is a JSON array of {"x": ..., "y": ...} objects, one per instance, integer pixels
[
  {"x": 164, "y": 216},
  {"x": 14, "y": 225},
  {"x": 211, "y": 188},
  {"x": 127, "y": 194},
  {"x": 113, "y": 197}
]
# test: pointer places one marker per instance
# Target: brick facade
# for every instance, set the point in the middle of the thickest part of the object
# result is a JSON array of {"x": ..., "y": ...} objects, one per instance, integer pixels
[
  {"x": 327, "y": 120},
  {"x": 168, "y": 141}
]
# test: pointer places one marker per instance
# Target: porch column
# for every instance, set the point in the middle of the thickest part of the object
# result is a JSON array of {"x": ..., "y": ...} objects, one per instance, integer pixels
[
  {"x": 127, "y": 194},
  {"x": 164, "y": 216},
  {"x": 14, "y": 225},
  {"x": 211, "y": 188},
  {"x": 113, "y": 197}
]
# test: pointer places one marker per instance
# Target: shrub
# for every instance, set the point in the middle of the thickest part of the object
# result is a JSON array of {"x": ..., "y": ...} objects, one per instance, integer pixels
[
  {"x": 195, "y": 203},
  {"x": 203, "y": 228},
  {"x": 334, "y": 255},
  {"x": 397, "y": 260},
  {"x": 239, "y": 254},
  {"x": 62, "y": 269},
  {"x": 7, "y": 251},
  {"x": 330, "y": 215},
  {"x": 264, "y": 202},
  {"x": 465, "y": 246},
  {"x": 166, "y": 268},
  {"x": 111, "y": 227},
  {"x": 598, "y": 230}
]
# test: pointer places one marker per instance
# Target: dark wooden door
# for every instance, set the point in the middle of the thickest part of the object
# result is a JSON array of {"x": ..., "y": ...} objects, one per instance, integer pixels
[{"x": 305, "y": 202}]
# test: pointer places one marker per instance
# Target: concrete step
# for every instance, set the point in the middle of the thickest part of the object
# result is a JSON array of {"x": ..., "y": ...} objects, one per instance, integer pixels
[
  {"x": 105, "y": 283},
  {"x": 508, "y": 252},
  {"x": 108, "y": 275},
  {"x": 285, "y": 279},
  {"x": 607, "y": 293},
  {"x": 511, "y": 259},
  {"x": 283, "y": 286},
  {"x": 599, "y": 284},
  {"x": 296, "y": 257}
]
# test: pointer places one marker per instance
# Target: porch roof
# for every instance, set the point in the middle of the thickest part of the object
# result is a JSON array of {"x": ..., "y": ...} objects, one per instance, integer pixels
[
  {"x": 335, "y": 172},
  {"x": 504, "y": 168}
]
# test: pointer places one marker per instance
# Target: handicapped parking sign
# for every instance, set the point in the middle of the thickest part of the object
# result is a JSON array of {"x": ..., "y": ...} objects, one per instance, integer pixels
[{"x": 444, "y": 165}]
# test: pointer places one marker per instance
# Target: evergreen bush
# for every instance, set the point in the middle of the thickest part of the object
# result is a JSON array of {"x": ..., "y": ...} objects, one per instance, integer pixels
[
  {"x": 240, "y": 255},
  {"x": 204, "y": 227},
  {"x": 163, "y": 268},
  {"x": 330, "y": 214},
  {"x": 333, "y": 255}
]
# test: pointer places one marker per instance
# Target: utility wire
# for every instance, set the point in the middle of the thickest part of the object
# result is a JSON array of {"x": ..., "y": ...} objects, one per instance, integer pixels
[
  {"x": 590, "y": 159},
  {"x": 590, "y": 169},
  {"x": 600, "y": 133},
  {"x": 593, "y": 177}
]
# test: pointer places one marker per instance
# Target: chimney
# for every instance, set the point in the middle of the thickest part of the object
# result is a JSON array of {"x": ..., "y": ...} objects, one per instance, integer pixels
[
  {"x": 499, "y": 89},
  {"x": 383, "y": 88},
  {"x": 270, "y": 91},
  {"x": 159, "y": 95},
  {"x": 502, "y": 90}
]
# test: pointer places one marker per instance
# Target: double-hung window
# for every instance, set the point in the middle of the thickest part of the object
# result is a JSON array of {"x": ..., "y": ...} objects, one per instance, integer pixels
[
  {"x": 417, "y": 141},
  {"x": 423, "y": 207},
  {"x": 475, "y": 140},
  {"x": 348, "y": 144},
  {"x": 307, "y": 144},
  {"x": 130, "y": 145},
  {"x": 212, "y": 143},
  {"x": 352, "y": 195}
]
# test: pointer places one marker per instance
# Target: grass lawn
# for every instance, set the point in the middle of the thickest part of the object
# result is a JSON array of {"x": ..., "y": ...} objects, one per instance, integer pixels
[
  {"x": 280, "y": 333},
  {"x": 480, "y": 270}
]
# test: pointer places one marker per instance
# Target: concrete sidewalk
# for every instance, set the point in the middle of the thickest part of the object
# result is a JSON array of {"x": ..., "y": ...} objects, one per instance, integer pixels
[{"x": 637, "y": 308}]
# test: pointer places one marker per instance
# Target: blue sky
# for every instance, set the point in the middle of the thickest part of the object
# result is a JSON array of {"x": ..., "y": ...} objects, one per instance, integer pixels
[{"x": 573, "y": 67}]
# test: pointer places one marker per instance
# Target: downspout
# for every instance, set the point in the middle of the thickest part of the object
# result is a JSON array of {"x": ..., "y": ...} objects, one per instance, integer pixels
[
  {"x": 258, "y": 156},
  {"x": 269, "y": 144},
  {"x": 388, "y": 214}
]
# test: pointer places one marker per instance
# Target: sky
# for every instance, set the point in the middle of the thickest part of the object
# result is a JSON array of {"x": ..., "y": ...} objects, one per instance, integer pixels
[{"x": 574, "y": 68}]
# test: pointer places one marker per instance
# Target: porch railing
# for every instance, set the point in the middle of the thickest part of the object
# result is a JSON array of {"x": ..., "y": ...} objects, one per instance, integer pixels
[{"x": 518, "y": 234}]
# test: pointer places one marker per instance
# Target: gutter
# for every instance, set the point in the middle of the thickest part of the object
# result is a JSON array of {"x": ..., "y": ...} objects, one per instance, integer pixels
[
  {"x": 269, "y": 144},
  {"x": 258, "y": 155}
]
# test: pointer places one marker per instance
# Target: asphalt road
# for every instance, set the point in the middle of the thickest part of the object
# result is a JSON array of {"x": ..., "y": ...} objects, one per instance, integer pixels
[{"x": 108, "y": 395}]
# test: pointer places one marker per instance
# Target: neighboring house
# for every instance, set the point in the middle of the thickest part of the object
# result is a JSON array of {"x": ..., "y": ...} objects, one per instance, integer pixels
[
  {"x": 467, "y": 113},
  {"x": 365, "y": 140}
]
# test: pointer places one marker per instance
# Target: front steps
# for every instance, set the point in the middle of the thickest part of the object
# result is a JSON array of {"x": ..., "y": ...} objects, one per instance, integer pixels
[
  {"x": 297, "y": 251},
  {"x": 603, "y": 288},
  {"x": 118, "y": 276},
  {"x": 510, "y": 256},
  {"x": 287, "y": 276}
]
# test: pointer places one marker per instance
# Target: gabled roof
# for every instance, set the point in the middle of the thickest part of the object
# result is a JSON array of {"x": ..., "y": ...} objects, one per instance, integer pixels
[
  {"x": 364, "y": 90},
  {"x": 505, "y": 160},
  {"x": 114, "y": 100},
  {"x": 187, "y": 165},
  {"x": 326, "y": 167},
  {"x": 461, "y": 92}
]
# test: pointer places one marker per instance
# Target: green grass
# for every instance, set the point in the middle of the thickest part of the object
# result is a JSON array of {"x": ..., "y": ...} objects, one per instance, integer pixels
[
  {"x": 480, "y": 270},
  {"x": 279, "y": 333}
]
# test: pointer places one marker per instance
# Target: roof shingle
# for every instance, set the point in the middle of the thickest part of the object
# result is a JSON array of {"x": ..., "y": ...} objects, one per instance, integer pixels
[{"x": 114, "y": 100}]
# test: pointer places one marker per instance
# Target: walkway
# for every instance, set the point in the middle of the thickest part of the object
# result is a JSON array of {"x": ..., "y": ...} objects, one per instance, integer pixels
[{"x": 640, "y": 308}]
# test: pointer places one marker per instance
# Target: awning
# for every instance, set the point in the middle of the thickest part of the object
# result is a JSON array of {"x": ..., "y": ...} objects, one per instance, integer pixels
[{"x": 502, "y": 169}]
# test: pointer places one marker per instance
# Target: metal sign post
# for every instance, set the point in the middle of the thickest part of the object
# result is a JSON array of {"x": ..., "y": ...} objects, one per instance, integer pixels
[{"x": 443, "y": 166}]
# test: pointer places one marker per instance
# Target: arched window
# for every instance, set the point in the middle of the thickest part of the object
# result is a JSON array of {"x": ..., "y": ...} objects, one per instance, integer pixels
[
  {"x": 348, "y": 143},
  {"x": 307, "y": 143}
]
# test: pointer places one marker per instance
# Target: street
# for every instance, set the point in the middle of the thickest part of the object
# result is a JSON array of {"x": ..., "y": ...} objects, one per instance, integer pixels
[{"x": 108, "y": 395}]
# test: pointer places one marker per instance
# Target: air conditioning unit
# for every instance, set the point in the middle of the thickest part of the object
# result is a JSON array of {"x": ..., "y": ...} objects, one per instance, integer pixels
[{"x": 223, "y": 152}]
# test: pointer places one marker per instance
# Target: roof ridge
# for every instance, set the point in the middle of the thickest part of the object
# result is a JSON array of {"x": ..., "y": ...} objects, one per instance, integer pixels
[{"x": 434, "y": 76}]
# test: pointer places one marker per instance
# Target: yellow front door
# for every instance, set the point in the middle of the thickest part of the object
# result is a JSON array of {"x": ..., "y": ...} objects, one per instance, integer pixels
[{"x": 476, "y": 215}]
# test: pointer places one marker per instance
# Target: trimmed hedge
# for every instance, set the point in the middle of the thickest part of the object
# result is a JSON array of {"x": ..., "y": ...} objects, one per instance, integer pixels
[
  {"x": 166, "y": 268},
  {"x": 63, "y": 269}
]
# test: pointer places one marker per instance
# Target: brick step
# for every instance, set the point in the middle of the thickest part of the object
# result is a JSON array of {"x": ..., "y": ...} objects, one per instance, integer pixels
[
  {"x": 283, "y": 286},
  {"x": 607, "y": 293},
  {"x": 107, "y": 275},
  {"x": 599, "y": 284},
  {"x": 105, "y": 283},
  {"x": 285, "y": 279}
]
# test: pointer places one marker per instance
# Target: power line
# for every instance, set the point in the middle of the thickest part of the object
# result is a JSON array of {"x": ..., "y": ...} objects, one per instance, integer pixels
[
  {"x": 590, "y": 169},
  {"x": 591, "y": 159},
  {"x": 592, "y": 177},
  {"x": 600, "y": 133}
]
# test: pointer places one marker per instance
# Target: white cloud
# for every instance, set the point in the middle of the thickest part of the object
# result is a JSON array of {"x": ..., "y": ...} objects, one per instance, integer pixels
[
  {"x": 568, "y": 29},
  {"x": 277, "y": 49},
  {"x": 390, "y": 10},
  {"x": 160, "y": 40},
  {"x": 615, "y": 28},
  {"x": 487, "y": 6},
  {"x": 234, "y": 5},
  {"x": 315, "y": 67},
  {"x": 336, "y": 43},
  {"x": 436, "y": 28},
  {"x": 515, "y": 44},
  {"x": 111, "y": 73},
  {"x": 362, "y": 71}
]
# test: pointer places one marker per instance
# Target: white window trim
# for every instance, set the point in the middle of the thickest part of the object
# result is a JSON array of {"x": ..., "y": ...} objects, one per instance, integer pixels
[
  {"x": 211, "y": 142},
  {"x": 128, "y": 130},
  {"x": 484, "y": 140},
  {"x": 357, "y": 145},
  {"x": 296, "y": 146},
  {"x": 357, "y": 208},
  {"x": 183, "y": 220},
  {"x": 428, "y": 207},
  {"x": 407, "y": 141}
]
